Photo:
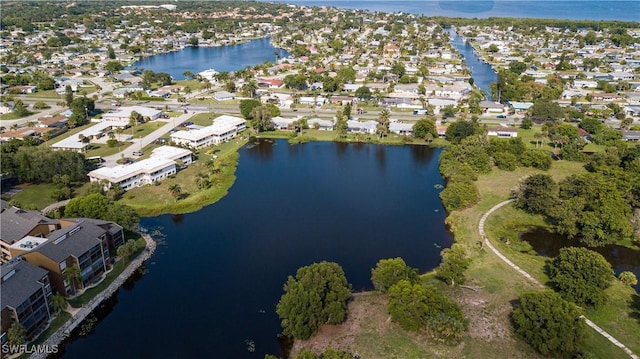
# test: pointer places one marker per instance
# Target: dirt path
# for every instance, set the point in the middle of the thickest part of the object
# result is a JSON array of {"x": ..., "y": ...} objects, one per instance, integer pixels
[{"x": 535, "y": 281}]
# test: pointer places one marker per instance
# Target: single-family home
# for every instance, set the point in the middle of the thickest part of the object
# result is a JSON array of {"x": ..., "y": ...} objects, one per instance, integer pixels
[
  {"x": 502, "y": 131},
  {"x": 320, "y": 124},
  {"x": 223, "y": 96},
  {"x": 631, "y": 136},
  {"x": 401, "y": 128},
  {"x": 491, "y": 107},
  {"x": 367, "y": 127}
]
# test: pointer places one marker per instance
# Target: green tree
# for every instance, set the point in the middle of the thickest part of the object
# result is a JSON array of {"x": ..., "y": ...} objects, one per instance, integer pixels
[
  {"x": 537, "y": 194},
  {"x": 17, "y": 334},
  {"x": 246, "y": 106},
  {"x": 390, "y": 271},
  {"x": 416, "y": 307},
  {"x": 580, "y": 275},
  {"x": 424, "y": 127},
  {"x": 628, "y": 278},
  {"x": 19, "y": 109},
  {"x": 517, "y": 67},
  {"x": 459, "y": 193},
  {"x": 363, "y": 93},
  {"x": 526, "y": 124},
  {"x": 59, "y": 303},
  {"x": 549, "y": 324},
  {"x": 113, "y": 66},
  {"x": 461, "y": 129},
  {"x": 111, "y": 54},
  {"x": 262, "y": 118},
  {"x": 175, "y": 190},
  {"x": 544, "y": 109},
  {"x": 73, "y": 276},
  {"x": 317, "y": 295},
  {"x": 454, "y": 263}
]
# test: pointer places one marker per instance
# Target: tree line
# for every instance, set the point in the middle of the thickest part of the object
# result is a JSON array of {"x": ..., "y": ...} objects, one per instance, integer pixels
[{"x": 471, "y": 153}]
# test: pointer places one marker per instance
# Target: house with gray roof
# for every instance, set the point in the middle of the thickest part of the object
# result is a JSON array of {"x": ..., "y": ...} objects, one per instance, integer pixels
[
  {"x": 26, "y": 298},
  {"x": 401, "y": 128},
  {"x": 368, "y": 127}
]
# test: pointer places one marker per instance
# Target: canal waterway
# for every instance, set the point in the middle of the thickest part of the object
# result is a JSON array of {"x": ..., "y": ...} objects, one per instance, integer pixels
[
  {"x": 222, "y": 58},
  {"x": 549, "y": 244},
  {"x": 481, "y": 72},
  {"x": 214, "y": 281}
]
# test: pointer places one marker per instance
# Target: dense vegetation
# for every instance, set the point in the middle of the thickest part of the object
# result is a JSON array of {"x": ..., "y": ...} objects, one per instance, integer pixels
[
  {"x": 549, "y": 324},
  {"x": 41, "y": 164},
  {"x": 317, "y": 295},
  {"x": 580, "y": 275},
  {"x": 390, "y": 271},
  {"x": 472, "y": 153},
  {"x": 597, "y": 207},
  {"x": 417, "y": 307},
  {"x": 97, "y": 205}
]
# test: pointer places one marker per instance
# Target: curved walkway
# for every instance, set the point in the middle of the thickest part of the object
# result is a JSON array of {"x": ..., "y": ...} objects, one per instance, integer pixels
[
  {"x": 535, "y": 281},
  {"x": 65, "y": 330},
  {"x": 53, "y": 206}
]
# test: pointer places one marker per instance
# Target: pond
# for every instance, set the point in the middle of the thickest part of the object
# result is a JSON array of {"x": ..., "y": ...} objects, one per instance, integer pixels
[
  {"x": 214, "y": 281},
  {"x": 548, "y": 244}
]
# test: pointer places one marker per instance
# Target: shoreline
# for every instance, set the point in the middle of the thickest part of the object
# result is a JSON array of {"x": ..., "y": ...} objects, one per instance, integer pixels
[{"x": 81, "y": 314}]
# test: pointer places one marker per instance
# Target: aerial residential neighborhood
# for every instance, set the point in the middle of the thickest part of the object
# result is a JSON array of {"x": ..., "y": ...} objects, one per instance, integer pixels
[{"x": 439, "y": 181}]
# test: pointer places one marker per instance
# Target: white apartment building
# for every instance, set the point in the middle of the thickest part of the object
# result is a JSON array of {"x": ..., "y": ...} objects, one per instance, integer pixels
[
  {"x": 223, "y": 129},
  {"x": 161, "y": 164}
]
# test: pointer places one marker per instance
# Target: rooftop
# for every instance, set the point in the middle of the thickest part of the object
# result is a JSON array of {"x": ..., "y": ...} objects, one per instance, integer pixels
[{"x": 20, "y": 280}]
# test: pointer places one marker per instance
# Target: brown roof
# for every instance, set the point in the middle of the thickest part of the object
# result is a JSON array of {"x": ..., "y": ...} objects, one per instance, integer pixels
[{"x": 51, "y": 120}]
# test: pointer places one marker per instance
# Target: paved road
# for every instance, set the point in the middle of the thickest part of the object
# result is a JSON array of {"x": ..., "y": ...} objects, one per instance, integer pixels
[
  {"x": 535, "y": 281},
  {"x": 54, "y": 108},
  {"x": 139, "y": 143}
]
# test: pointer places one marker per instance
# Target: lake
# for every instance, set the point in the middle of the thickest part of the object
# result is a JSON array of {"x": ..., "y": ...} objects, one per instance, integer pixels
[
  {"x": 223, "y": 58},
  {"x": 549, "y": 244},
  {"x": 214, "y": 281}
]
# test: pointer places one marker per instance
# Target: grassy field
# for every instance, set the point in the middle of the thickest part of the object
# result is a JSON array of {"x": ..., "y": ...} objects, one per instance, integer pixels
[
  {"x": 34, "y": 196},
  {"x": 153, "y": 200},
  {"x": 13, "y": 116},
  {"x": 488, "y": 310},
  {"x": 101, "y": 149}
]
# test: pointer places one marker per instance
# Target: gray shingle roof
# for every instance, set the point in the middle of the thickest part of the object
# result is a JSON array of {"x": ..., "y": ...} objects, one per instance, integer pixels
[
  {"x": 16, "y": 223},
  {"x": 20, "y": 286},
  {"x": 78, "y": 241}
]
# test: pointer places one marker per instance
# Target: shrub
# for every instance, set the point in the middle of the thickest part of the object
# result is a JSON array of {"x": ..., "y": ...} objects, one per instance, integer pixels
[
  {"x": 628, "y": 278},
  {"x": 390, "y": 271}
]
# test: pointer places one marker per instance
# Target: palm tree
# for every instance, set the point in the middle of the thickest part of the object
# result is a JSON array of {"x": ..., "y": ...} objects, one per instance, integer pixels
[
  {"x": 59, "y": 303},
  {"x": 175, "y": 190},
  {"x": 626, "y": 123},
  {"x": 72, "y": 275},
  {"x": 539, "y": 136},
  {"x": 133, "y": 120}
]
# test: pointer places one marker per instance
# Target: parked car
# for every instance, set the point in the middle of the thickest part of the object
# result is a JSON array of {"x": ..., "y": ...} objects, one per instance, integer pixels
[
  {"x": 137, "y": 153},
  {"x": 501, "y": 116}
]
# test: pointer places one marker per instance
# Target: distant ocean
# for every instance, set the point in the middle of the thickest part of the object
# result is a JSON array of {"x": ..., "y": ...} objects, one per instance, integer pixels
[{"x": 544, "y": 9}]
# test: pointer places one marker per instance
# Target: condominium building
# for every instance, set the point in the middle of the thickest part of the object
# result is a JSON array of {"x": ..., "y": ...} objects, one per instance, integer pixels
[
  {"x": 223, "y": 129},
  {"x": 164, "y": 162},
  {"x": 26, "y": 298}
]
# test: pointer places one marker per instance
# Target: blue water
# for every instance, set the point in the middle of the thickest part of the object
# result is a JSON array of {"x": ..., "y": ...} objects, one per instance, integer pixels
[
  {"x": 550, "y": 9},
  {"x": 223, "y": 58},
  {"x": 215, "y": 281},
  {"x": 481, "y": 72}
]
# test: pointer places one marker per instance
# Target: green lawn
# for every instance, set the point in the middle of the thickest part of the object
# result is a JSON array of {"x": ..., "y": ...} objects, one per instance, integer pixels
[
  {"x": 13, "y": 116},
  {"x": 102, "y": 149},
  {"x": 156, "y": 199},
  {"x": 143, "y": 129},
  {"x": 34, "y": 196}
]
